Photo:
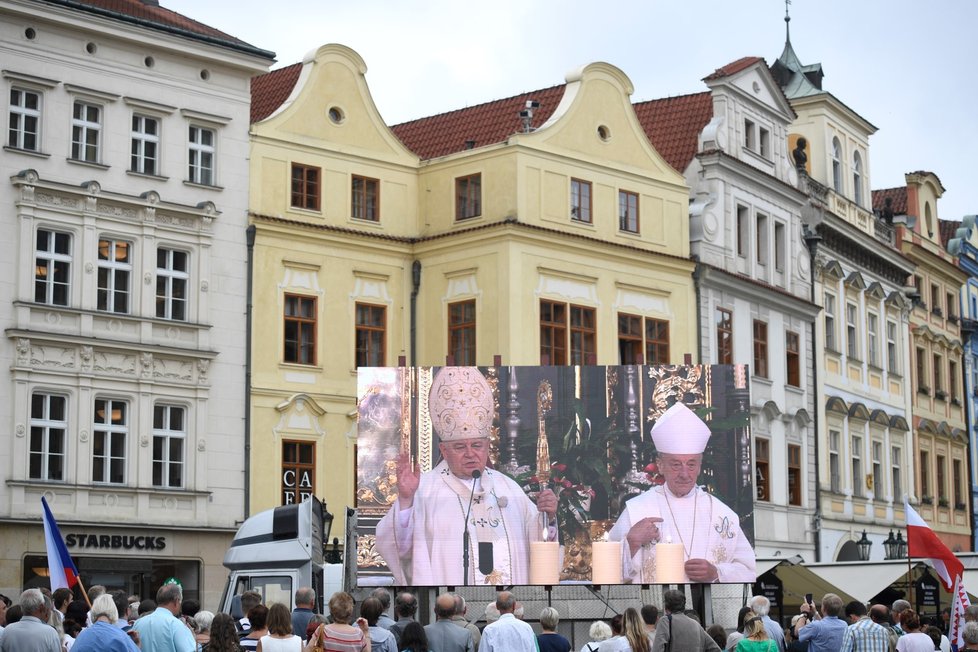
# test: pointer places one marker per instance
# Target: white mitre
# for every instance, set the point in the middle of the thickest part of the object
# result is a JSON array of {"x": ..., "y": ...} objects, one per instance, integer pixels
[
  {"x": 680, "y": 432},
  {"x": 460, "y": 404}
]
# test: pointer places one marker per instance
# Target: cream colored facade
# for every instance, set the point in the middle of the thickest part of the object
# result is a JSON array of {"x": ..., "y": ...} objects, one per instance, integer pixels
[
  {"x": 939, "y": 423},
  {"x": 522, "y": 248}
]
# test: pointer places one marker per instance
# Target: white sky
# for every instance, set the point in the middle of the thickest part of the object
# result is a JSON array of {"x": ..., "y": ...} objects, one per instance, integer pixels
[{"x": 907, "y": 67}]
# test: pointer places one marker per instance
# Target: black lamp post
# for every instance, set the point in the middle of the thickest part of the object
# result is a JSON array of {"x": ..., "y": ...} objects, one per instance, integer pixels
[
  {"x": 901, "y": 546},
  {"x": 891, "y": 547},
  {"x": 864, "y": 545}
]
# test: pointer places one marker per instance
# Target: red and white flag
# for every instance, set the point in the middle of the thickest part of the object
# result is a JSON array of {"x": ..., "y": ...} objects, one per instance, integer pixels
[{"x": 923, "y": 542}]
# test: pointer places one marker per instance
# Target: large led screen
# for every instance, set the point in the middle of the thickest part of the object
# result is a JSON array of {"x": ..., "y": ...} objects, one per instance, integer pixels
[{"x": 547, "y": 475}]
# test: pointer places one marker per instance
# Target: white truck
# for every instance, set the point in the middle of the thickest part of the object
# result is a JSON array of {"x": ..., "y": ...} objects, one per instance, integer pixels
[{"x": 278, "y": 551}]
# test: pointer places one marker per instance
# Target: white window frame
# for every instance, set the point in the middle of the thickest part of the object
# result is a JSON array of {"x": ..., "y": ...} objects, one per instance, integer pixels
[
  {"x": 892, "y": 350},
  {"x": 857, "y": 178},
  {"x": 118, "y": 276},
  {"x": 202, "y": 156},
  {"x": 105, "y": 434},
  {"x": 830, "y": 326},
  {"x": 780, "y": 243},
  {"x": 50, "y": 260},
  {"x": 896, "y": 471},
  {"x": 47, "y": 430},
  {"x": 164, "y": 437},
  {"x": 762, "y": 222},
  {"x": 82, "y": 128},
  {"x": 872, "y": 338},
  {"x": 144, "y": 155},
  {"x": 764, "y": 142},
  {"x": 855, "y": 454},
  {"x": 835, "y": 472},
  {"x": 836, "y": 165},
  {"x": 878, "y": 488},
  {"x": 169, "y": 281},
  {"x": 24, "y": 121},
  {"x": 852, "y": 333}
]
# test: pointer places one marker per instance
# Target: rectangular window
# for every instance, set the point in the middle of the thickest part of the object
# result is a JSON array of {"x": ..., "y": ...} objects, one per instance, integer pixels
[
  {"x": 835, "y": 470},
  {"x": 24, "y": 130},
  {"x": 794, "y": 474},
  {"x": 921, "y": 365},
  {"x": 830, "y": 322},
  {"x": 49, "y": 427},
  {"x": 366, "y": 199},
  {"x": 86, "y": 132},
  {"x": 857, "y": 466},
  {"x": 793, "y": 358},
  {"x": 779, "y": 246},
  {"x": 298, "y": 471},
  {"x": 305, "y": 187},
  {"x": 764, "y": 141},
  {"x": 52, "y": 267},
  {"x": 941, "y": 478},
  {"x": 584, "y": 334},
  {"x": 629, "y": 339},
  {"x": 461, "y": 332},
  {"x": 951, "y": 303},
  {"x": 749, "y": 137},
  {"x": 656, "y": 341},
  {"x": 892, "y": 353},
  {"x": 872, "y": 339},
  {"x": 201, "y": 148},
  {"x": 952, "y": 380},
  {"x": 114, "y": 274},
  {"x": 743, "y": 230},
  {"x": 762, "y": 239},
  {"x": 468, "y": 197},
  {"x": 852, "y": 344},
  {"x": 110, "y": 432},
  {"x": 925, "y": 488},
  {"x": 580, "y": 200},
  {"x": 169, "y": 437},
  {"x": 936, "y": 297},
  {"x": 300, "y": 329},
  {"x": 878, "y": 488},
  {"x": 896, "y": 455},
  {"x": 724, "y": 323},
  {"x": 172, "y": 277},
  {"x": 628, "y": 211},
  {"x": 938, "y": 373},
  {"x": 371, "y": 335},
  {"x": 762, "y": 469},
  {"x": 144, "y": 157},
  {"x": 956, "y": 478},
  {"x": 760, "y": 349}
]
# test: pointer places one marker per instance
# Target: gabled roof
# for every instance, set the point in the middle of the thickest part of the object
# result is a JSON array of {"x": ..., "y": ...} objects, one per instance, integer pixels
[
  {"x": 150, "y": 14},
  {"x": 673, "y": 124},
  {"x": 268, "y": 91},
  {"x": 733, "y": 68},
  {"x": 949, "y": 229},
  {"x": 480, "y": 125},
  {"x": 897, "y": 197}
]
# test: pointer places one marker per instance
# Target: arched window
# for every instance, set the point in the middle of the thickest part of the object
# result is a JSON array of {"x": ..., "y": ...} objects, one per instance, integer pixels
[
  {"x": 928, "y": 220},
  {"x": 837, "y": 165},
  {"x": 857, "y": 178}
]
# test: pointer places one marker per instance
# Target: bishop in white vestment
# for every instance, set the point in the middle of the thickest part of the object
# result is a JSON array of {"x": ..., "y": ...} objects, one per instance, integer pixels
[
  {"x": 715, "y": 549},
  {"x": 421, "y": 537}
]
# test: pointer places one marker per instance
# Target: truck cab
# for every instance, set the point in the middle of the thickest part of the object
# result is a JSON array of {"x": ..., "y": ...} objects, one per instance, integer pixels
[{"x": 275, "y": 552}]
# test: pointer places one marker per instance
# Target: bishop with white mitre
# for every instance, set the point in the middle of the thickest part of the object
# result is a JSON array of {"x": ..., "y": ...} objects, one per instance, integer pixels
[{"x": 715, "y": 548}]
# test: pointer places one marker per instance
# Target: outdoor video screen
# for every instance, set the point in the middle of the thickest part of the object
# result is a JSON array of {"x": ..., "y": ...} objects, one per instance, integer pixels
[{"x": 554, "y": 475}]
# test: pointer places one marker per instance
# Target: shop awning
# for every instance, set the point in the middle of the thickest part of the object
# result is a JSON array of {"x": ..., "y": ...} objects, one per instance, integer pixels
[{"x": 861, "y": 579}]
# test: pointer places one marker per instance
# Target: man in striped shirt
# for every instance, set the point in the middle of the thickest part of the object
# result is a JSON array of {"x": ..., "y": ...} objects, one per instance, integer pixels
[{"x": 867, "y": 634}]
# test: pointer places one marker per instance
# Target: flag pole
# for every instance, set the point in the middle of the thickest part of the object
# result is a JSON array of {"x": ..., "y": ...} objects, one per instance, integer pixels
[{"x": 84, "y": 593}]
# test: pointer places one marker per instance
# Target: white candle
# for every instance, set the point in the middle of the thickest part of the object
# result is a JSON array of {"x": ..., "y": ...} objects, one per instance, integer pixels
[
  {"x": 670, "y": 563},
  {"x": 544, "y": 562},
  {"x": 606, "y": 562}
]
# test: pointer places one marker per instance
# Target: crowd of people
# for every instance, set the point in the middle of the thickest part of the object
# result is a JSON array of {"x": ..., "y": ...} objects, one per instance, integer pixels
[{"x": 116, "y": 622}]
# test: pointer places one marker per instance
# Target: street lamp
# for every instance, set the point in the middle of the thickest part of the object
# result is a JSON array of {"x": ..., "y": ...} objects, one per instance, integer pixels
[
  {"x": 901, "y": 546},
  {"x": 891, "y": 547},
  {"x": 864, "y": 545}
]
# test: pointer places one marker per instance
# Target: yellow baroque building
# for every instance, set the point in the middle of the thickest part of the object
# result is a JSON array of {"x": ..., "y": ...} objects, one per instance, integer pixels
[{"x": 538, "y": 229}]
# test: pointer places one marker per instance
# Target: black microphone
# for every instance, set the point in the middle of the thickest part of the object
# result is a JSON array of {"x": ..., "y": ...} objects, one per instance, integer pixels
[{"x": 465, "y": 532}]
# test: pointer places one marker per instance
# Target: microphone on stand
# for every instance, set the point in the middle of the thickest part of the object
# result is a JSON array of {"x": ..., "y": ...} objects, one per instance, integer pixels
[{"x": 465, "y": 532}]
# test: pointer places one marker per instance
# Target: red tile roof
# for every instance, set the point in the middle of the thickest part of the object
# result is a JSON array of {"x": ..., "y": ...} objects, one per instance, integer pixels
[
  {"x": 150, "y": 14},
  {"x": 485, "y": 124},
  {"x": 897, "y": 197},
  {"x": 673, "y": 124},
  {"x": 268, "y": 91},
  {"x": 733, "y": 67},
  {"x": 948, "y": 230}
]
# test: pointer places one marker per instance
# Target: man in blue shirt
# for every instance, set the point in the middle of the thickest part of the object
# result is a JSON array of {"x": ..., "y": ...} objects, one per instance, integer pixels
[
  {"x": 823, "y": 634},
  {"x": 162, "y": 631}
]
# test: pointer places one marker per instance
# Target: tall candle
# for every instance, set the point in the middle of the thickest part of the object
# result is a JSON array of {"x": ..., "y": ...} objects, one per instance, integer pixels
[
  {"x": 670, "y": 564},
  {"x": 606, "y": 562},
  {"x": 545, "y": 562}
]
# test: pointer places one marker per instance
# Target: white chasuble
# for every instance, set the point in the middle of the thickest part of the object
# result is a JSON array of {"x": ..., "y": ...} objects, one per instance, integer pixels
[
  {"x": 705, "y": 527},
  {"x": 423, "y": 544}
]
